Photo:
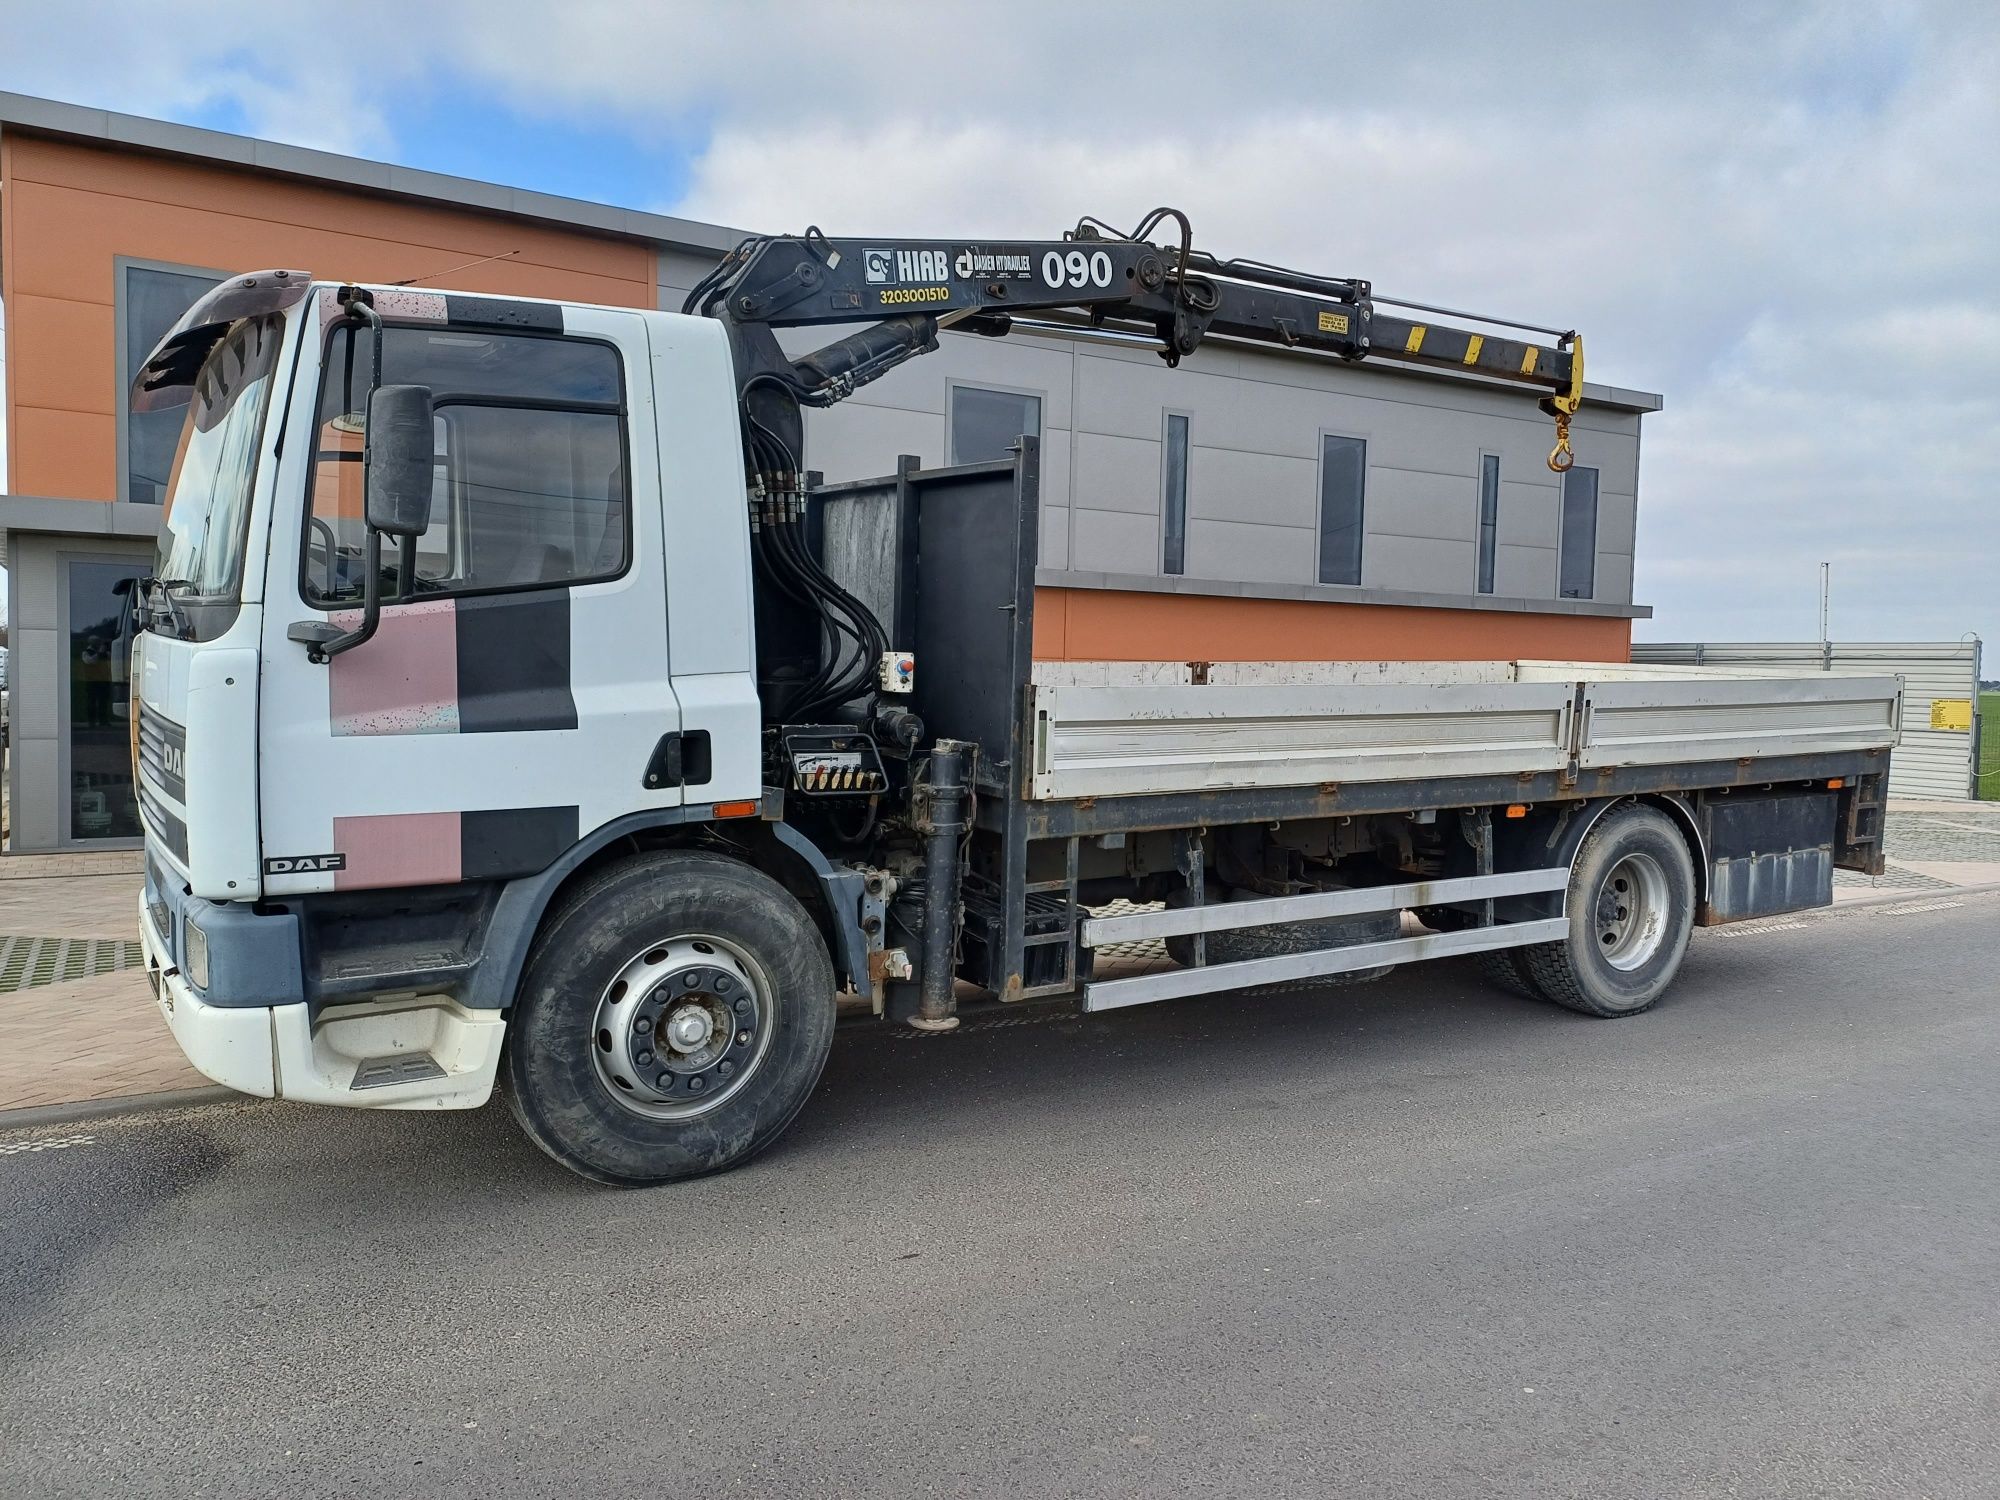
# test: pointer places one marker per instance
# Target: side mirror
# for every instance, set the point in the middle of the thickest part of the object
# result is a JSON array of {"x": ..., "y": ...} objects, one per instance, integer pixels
[{"x": 400, "y": 451}]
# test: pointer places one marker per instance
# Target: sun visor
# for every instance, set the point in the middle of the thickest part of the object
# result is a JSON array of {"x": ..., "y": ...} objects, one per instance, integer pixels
[{"x": 166, "y": 380}]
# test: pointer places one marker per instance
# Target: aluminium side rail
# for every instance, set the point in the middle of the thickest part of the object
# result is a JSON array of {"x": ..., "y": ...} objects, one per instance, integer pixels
[
  {"x": 1120, "y": 740},
  {"x": 1142, "y": 989}
]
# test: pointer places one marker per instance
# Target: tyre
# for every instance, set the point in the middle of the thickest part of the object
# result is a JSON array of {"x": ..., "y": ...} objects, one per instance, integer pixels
[
  {"x": 672, "y": 1021},
  {"x": 1502, "y": 968},
  {"x": 1246, "y": 943},
  {"x": 1631, "y": 907}
]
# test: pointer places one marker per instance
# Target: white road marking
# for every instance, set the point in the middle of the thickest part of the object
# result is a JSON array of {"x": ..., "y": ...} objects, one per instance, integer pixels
[
  {"x": 1907, "y": 907},
  {"x": 1747, "y": 928},
  {"x": 47, "y": 1143}
]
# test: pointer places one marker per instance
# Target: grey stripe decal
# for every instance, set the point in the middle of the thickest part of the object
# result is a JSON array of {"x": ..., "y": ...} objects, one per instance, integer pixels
[
  {"x": 501, "y": 843},
  {"x": 513, "y": 663},
  {"x": 499, "y": 312}
]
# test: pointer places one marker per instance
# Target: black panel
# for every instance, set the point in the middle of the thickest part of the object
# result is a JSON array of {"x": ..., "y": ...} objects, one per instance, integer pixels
[
  {"x": 976, "y": 530},
  {"x": 509, "y": 841},
  {"x": 513, "y": 663},
  {"x": 1738, "y": 826},
  {"x": 502, "y": 312}
]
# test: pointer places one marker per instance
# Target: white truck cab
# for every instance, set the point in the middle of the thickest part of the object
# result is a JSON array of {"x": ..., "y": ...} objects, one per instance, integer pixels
[{"x": 585, "y": 512}]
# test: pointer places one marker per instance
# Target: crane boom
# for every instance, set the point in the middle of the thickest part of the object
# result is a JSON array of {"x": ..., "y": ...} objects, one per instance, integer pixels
[{"x": 907, "y": 290}]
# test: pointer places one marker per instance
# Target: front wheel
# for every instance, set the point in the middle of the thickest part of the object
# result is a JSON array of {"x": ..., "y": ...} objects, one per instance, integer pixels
[
  {"x": 1631, "y": 908},
  {"x": 672, "y": 1021}
]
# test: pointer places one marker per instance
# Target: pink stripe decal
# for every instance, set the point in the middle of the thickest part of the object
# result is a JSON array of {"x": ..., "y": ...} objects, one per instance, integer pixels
[
  {"x": 405, "y": 680},
  {"x": 397, "y": 849}
]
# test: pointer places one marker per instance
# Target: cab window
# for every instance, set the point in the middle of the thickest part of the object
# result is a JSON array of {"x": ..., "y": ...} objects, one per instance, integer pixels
[{"x": 529, "y": 483}]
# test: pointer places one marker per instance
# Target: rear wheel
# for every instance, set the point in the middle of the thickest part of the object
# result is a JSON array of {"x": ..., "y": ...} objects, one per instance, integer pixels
[
  {"x": 1631, "y": 908},
  {"x": 672, "y": 1021}
]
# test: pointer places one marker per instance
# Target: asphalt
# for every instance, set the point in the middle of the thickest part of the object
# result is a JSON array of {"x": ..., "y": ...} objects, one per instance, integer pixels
[{"x": 1416, "y": 1238}]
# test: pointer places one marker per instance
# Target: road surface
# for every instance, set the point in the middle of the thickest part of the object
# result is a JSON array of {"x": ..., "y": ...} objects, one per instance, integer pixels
[{"x": 1417, "y": 1238}]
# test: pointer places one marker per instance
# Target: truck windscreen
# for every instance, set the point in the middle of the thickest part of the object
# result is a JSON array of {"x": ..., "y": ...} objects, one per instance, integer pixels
[{"x": 215, "y": 467}]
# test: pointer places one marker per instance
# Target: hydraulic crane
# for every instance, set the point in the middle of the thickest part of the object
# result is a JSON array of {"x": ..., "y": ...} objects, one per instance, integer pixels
[{"x": 907, "y": 291}]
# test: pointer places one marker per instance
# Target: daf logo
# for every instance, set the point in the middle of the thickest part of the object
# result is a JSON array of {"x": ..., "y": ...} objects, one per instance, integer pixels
[
  {"x": 304, "y": 864},
  {"x": 173, "y": 758}
]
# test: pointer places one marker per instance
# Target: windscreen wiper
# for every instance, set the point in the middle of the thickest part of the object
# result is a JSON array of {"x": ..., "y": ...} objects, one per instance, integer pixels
[{"x": 167, "y": 588}]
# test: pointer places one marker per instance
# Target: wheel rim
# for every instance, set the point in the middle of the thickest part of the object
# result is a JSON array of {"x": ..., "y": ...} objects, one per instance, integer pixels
[
  {"x": 1632, "y": 906},
  {"x": 683, "y": 1025}
]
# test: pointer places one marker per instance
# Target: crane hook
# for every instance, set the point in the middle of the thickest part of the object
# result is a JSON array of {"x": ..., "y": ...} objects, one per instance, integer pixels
[{"x": 1564, "y": 406}]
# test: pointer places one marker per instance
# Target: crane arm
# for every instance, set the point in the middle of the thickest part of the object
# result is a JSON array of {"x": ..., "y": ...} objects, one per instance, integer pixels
[{"x": 905, "y": 291}]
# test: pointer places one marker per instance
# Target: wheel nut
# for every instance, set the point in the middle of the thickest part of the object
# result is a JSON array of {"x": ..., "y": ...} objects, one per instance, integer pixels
[
  {"x": 696, "y": 1085},
  {"x": 742, "y": 1038},
  {"x": 665, "y": 1080},
  {"x": 725, "y": 1067},
  {"x": 743, "y": 1006},
  {"x": 690, "y": 981},
  {"x": 722, "y": 984},
  {"x": 643, "y": 1059},
  {"x": 642, "y": 1026}
]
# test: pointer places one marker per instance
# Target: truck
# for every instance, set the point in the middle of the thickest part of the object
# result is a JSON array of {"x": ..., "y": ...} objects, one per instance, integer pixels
[{"x": 515, "y": 708}]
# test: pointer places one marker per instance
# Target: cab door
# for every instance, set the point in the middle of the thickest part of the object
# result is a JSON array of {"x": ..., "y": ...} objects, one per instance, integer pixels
[{"x": 518, "y": 684}]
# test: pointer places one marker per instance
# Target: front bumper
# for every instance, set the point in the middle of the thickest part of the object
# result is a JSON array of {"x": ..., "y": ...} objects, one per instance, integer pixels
[{"x": 354, "y": 1056}]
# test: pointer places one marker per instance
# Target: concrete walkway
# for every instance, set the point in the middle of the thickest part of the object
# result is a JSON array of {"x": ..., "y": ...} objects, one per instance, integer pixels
[{"x": 100, "y": 1037}]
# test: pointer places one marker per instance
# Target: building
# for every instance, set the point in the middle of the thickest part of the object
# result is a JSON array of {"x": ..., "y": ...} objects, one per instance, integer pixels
[{"x": 1250, "y": 505}]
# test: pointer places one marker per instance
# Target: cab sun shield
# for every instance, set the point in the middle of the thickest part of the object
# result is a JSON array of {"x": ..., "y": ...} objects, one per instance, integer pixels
[{"x": 166, "y": 380}]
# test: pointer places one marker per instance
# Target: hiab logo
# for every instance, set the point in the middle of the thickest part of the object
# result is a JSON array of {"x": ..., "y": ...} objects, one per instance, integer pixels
[{"x": 887, "y": 267}]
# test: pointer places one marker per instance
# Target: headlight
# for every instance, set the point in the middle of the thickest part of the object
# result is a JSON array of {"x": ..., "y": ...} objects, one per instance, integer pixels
[{"x": 196, "y": 958}]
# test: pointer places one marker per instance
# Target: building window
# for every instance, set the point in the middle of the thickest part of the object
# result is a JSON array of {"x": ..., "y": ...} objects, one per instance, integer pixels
[
  {"x": 1173, "y": 495},
  {"x": 151, "y": 300},
  {"x": 1489, "y": 518},
  {"x": 1578, "y": 573},
  {"x": 985, "y": 424},
  {"x": 100, "y": 628},
  {"x": 1343, "y": 474},
  {"x": 528, "y": 479}
]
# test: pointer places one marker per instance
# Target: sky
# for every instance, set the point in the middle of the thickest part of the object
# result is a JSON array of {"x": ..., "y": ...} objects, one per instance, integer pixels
[{"x": 1785, "y": 218}]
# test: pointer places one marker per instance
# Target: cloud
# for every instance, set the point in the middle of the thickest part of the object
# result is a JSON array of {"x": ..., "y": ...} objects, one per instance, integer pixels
[{"x": 1784, "y": 217}]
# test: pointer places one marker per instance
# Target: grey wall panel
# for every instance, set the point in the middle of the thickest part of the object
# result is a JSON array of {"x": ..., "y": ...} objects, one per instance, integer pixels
[
  {"x": 31, "y": 575},
  {"x": 1225, "y": 484},
  {"x": 1115, "y": 541},
  {"x": 34, "y": 769},
  {"x": 1055, "y": 467},
  {"x": 1530, "y": 513},
  {"x": 1052, "y": 545},
  {"x": 1421, "y": 564},
  {"x": 853, "y": 441},
  {"x": 1242, "y": 552},
  {"x": 34, "y": 665},
  {"x": 1614, "y": 577},
  {"x": 1116, "y": 473},
  {"x": 1617, "y": 521},
  {"x": 1524, "y": 572},
  {"x": 1407, "y": 502}
]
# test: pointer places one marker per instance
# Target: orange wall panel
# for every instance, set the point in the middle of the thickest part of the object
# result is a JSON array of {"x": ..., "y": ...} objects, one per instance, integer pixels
[
  {"x": 1109, "y": 625},
  {"x": 67, "y": 455},
  {"x": 69, "y": 210},
  {"x": 41, "y": 363}
]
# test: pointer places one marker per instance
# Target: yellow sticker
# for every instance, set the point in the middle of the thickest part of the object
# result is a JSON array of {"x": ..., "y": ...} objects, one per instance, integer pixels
[
  {"x": 1952, "y": 713},
  {"x": 1415, "y": 341},
  {"x": 1472, "y": 347},
  {"x": 1330, "y": 322}
]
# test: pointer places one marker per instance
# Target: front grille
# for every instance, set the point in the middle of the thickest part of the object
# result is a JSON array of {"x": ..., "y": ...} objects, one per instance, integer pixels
[{"x": 163, "y": 752}]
